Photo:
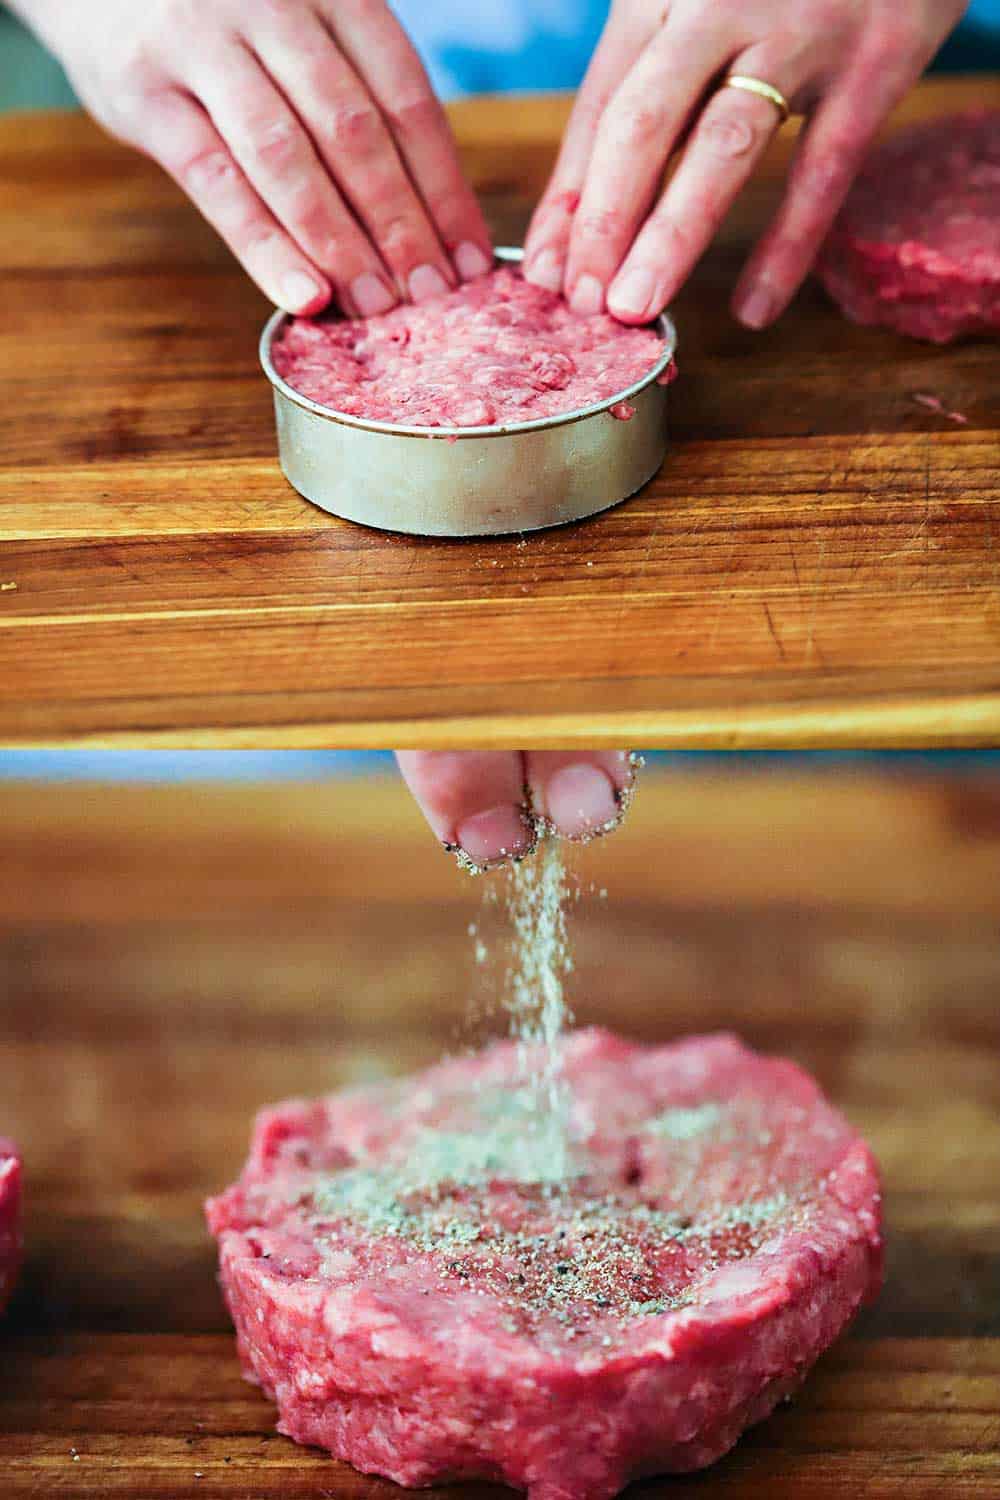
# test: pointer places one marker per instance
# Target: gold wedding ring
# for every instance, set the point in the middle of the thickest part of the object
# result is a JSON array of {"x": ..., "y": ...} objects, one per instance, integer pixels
[{"x": 765, "y": 90}]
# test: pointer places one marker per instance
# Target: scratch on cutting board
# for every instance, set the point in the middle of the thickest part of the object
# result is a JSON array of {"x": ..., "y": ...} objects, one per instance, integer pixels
[
  {"x": 812, "y": 645},
  {"x": 795, "y": 567},
  {"x": 991, "y": 545},
  {"x": 770, "y": 625},
  {"x": 8, "y": 588},
  {"x": 629, "y": 591}
]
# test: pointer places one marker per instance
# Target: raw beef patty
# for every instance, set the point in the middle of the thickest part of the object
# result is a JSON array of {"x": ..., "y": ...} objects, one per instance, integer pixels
[
  {"x": 497, "y": 350},
  {"x": 10, "y": 1219},
  {"x": 421, "y": 1300},
  {"x": 917, "y": 244}
]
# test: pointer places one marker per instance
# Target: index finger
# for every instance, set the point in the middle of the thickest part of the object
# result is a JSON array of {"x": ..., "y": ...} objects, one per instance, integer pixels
[
  {"x": 637, "y": 134},
  {"x": 474, "y": 800},
  {"x": 582, "y": 794},
  {"x": 390, "y": 67},
  {"x": 546, "y": 245}
]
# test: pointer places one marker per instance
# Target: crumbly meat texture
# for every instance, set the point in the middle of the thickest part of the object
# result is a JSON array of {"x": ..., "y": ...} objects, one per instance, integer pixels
[
  {"x": 421, "y": 1301},
  {"x": 917, "y": 245},
  {"x": 10, "y": 1219},
  {"x": 496, "y": 351}
]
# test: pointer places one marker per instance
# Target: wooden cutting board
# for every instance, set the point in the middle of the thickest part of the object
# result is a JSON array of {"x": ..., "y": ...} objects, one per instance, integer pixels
[
  {"x": 172, "y": 959},
  {"x": 816, "y": 563}
]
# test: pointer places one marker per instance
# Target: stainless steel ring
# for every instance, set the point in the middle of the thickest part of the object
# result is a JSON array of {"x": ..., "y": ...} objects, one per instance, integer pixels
[{"x": 471, "y": 481}]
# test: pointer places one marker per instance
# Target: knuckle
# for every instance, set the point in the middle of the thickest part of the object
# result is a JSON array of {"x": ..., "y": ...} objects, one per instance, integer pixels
[
  {"x": 415, "y": 114},
  {"x": 210, "y": 171},
  {"x": 354, "y": 126},
  {"x": 141, "y": 68},
  {"x": 601, "y": 224},
  {"x": 638, "y": 123},
  {"x": 827, "y": 175},
  {"x": 276, "y": 144},
  {"x": 259, "y": 243},
  {"x": 730, "y": 133},
  {"x": 677, "y": 239},
  {"x": 308, "y": 214},
  {"x": 398, "y": 236}
]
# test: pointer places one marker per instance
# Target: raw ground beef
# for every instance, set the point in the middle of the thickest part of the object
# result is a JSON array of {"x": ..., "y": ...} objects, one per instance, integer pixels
[
  {"x": 497, "y": 350},
  {"x": 917, "y": 244},
  {"x": 10, "y": 1219},
  {"x": 419, "y": 1299}
]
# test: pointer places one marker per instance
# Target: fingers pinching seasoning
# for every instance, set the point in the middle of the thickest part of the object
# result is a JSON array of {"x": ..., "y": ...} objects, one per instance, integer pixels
[{"x": 489, "y": 807}]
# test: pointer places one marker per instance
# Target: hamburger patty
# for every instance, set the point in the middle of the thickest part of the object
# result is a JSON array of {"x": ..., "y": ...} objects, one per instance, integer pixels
[
  {"x": 917, "y": 244},
  {"x": 419, "y": 1296},
  {"x": 10, "y": 1219}
]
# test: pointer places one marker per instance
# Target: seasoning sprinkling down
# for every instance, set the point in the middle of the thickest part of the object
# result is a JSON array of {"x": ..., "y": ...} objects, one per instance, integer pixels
[{"x": 536, "y": 1000}]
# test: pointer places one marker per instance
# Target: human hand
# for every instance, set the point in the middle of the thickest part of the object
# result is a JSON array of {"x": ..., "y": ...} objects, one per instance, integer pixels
[
  {"x": 483, "y": 802},
  {"x": 306, "y": 131},
  {"x": 605, "y": 235}
]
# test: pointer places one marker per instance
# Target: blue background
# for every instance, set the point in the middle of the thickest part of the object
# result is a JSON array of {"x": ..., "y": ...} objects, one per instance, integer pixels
[
  {"x": 478, "y": 47},
  {"x": 307, "y": 765}
]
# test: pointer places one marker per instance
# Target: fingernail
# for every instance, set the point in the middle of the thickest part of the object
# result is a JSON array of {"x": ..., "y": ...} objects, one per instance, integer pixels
[
  {"x": 546, "y": 270},
  {"x": 580, "y": 800},
  {"x": 371, "y": 295},
  {"x": 757, "y": 307},
  {"x": 470, "y": 261},
  {"x": 631, "y": 294},
  {"x": 299, "y": 292},
  {"x": 426, "y": 282},
  {"x": 588, "y": 296},
  {"x": 499, "y": 833}
]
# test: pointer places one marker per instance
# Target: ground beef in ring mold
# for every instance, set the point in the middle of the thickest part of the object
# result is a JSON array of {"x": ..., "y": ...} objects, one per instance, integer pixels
[
  {"x": 916, "y": 246},
  {"x": 496, "y": 350}
]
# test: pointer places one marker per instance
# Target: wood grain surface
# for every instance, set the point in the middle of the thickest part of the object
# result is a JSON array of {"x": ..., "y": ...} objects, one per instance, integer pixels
[
  {"x": 171, "y": 959},
  {"x": 816, "y": 563}
]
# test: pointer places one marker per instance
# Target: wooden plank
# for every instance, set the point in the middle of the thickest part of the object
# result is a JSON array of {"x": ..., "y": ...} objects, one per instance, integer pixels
[
  {"x": 816, "y": 562},
  {"x": 165, "y": 1416}
]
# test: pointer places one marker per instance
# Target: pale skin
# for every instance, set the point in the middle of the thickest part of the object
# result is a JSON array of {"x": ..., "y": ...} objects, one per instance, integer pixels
[
  {"x": 308, "y": 134},
  {"x": 609, "y": 238},
  {"x": 483, "y": 802},
  {"x": 306, "y": 131}
]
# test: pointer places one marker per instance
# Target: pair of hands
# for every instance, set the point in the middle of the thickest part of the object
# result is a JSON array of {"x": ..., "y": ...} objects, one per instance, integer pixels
[{"x": 308, "y": 134}]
